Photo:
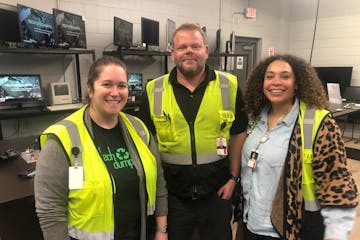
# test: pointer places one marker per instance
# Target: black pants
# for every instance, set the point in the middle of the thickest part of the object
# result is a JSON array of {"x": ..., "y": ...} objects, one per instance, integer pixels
[
  {"x": 253, "y": 236},
  {"x": 210, "y": 216}
]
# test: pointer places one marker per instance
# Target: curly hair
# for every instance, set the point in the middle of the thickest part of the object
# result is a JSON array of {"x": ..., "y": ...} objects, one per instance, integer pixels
[{"x": 309, "y": 87}]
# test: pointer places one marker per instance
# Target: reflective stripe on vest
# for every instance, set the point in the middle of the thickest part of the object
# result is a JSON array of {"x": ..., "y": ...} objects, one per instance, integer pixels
[
  {"x": 74, "y": 138},
  {"x": 226, "y": 115},
  {"x": 158, "y": 89},
  {"x": 310, "y": 120},
  {"x": 186, "y": 159},
  {"x": 69, "y": 132},
  {"x": 144, "y": 135},
  {"x": 80, "y": 234},
  {"x": 311, "y": 204}
]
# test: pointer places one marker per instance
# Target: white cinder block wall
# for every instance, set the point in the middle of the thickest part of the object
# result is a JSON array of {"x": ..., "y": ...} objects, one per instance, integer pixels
[
  {"x": 285, "y": 25},
  {"x": 337, "y": 33}
]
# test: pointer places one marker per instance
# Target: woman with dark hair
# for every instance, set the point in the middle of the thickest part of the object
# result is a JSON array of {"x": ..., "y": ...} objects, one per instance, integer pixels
[
  {"x": 98, "y": 175},
  {"x": 294, "y": 174}
]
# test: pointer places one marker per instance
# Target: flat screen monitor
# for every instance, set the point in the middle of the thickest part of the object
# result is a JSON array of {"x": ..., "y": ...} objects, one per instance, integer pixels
[
  {"x": 36, "y": 27},
  {"x": 149, "y": 32},
  {"x": 170, "y": 29},
  {"x": 341, "y": 75},
  {"x": 20, "y": 88},
  {"x": 123, "y": 33},
  {"x": 135, "y": 82},
  {"x": 9, "y": 25},
  {"x": 59, "y": 93},
  {"x": 69, "y": 29}
]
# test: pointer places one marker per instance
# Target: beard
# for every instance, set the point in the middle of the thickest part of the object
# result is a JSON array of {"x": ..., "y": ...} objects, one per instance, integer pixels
[{"x": 190, "y": 72}]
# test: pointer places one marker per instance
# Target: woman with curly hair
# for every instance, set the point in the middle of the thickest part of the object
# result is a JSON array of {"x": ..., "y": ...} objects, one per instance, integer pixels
[{"x": 295, "y": 178}]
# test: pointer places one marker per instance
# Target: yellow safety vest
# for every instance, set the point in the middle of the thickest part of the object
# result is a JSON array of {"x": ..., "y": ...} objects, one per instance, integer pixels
[
  {"x": 214, "y": 119},
  {"x": 310, "y": 120},
  {"x": 90, "y": 209}
]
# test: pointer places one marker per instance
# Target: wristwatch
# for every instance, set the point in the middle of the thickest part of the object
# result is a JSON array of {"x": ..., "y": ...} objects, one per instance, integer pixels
[
  {"x": 235, "y": 178},
  {"x": 162, "y": 229}
]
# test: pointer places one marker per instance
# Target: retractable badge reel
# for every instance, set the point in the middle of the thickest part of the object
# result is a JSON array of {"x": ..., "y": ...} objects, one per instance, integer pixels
[
  {"x": 221, "y": 143},
  {"x": 76, "y": 172}
]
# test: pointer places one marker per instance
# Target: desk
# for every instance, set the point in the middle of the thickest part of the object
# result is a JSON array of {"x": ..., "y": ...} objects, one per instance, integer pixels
[
  {"x": 18, "y": 219},
  {"x": 343, "y": 112}
]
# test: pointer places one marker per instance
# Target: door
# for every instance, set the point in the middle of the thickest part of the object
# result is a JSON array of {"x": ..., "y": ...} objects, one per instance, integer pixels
[{"x": 247, "y": 50}]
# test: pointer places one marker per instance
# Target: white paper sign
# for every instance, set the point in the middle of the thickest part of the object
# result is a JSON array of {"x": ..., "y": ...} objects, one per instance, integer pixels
[
  {"x": 334, "y": 93},
  {"x": 239, "y": 62}
]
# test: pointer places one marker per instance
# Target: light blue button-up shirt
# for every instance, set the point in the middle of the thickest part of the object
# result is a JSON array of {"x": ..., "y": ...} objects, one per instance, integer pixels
[{"x": 260, "y": 184}]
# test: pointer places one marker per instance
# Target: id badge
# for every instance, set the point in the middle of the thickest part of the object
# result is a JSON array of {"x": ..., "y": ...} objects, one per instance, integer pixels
[
  {"x": 221, "y": 147},
  {"x": 76, "y": 177},
  {"x": 252, "y": 160}
]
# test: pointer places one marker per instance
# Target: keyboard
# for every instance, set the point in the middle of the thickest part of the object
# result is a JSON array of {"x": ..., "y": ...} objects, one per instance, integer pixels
[
  {"x": 352, "y": 105},
  {"x": 61, "y": 107}
]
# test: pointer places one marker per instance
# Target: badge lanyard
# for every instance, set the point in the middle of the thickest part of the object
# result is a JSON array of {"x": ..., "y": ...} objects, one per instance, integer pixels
[
  {"x": 254, "y": 153},
  {"x": 76, "y": 172}
]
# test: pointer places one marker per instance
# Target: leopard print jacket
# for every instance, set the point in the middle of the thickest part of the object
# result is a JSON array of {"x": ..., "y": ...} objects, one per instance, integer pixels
[{"x": 334, "y": 184}]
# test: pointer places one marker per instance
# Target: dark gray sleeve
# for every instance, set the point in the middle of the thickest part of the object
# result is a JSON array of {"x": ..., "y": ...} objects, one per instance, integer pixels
[
  {"x": 51, "y": 190},
  {"x": 161, "y": 207}
]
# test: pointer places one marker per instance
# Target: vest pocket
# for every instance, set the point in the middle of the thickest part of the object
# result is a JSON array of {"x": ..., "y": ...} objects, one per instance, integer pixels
[
  {"x": 164, "y": 128},
  {"x": 88, "y": 201}
]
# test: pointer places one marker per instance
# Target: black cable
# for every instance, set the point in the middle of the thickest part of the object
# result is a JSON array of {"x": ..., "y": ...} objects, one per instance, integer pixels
[{"x": 316, "y": 20}]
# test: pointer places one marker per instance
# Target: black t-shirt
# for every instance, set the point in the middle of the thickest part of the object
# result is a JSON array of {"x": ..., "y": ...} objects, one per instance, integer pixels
[{"x": 113, "y": 150}]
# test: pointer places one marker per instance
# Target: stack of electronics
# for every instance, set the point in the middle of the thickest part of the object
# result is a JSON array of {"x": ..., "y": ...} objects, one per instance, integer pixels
[
  {"x": 23, "y": 90},
  {"x": 123, "y": 34},
  {"x": 29, "y": 27},
  {"x": 23, "y": 26}
]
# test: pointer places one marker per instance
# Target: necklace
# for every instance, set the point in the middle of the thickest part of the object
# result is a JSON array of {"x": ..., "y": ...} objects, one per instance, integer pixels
[{"x": 272, "y": 123}]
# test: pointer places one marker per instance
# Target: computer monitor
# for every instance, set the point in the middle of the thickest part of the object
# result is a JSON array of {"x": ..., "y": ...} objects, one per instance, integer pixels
[
  {"x": 36, "y": 27},
  {"x": 341, "y": 75},
  {"x": 123, "y": 33},
  {"x": 20, "y": 88},
  {"x": 352, "y": 94},
  {"x": 69, "y": 29},
  {"x": 170, "y": 29},
  {"x": 135, "y": 82},
  {"x": 9, "y": 25},
  {"x": 59, "y": 93},
  {"x": 149, "y": 32}
]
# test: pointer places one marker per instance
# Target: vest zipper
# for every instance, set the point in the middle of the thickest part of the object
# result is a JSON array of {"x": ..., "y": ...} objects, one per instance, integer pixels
[{"x": 194, "y": 159}]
